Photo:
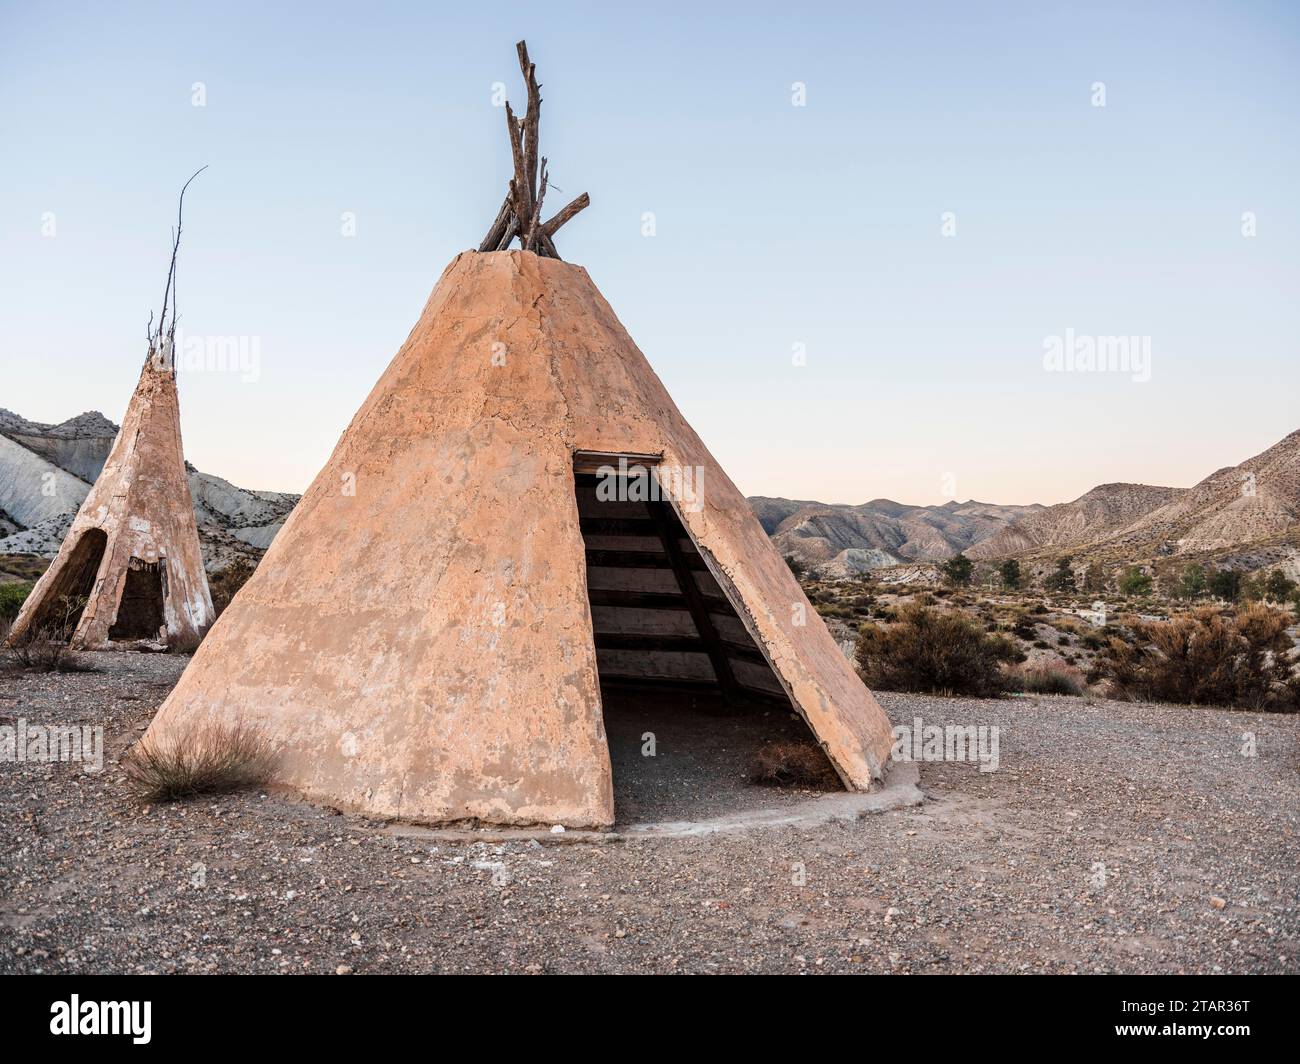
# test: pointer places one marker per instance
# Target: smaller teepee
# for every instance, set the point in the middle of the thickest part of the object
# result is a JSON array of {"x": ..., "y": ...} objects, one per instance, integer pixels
[{"x": 130, "y": 570}]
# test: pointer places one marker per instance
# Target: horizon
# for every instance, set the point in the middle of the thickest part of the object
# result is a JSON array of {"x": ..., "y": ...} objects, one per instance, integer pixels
[
  {"x": 944, "y": 228},
  {"x": 788, "y": 498}
]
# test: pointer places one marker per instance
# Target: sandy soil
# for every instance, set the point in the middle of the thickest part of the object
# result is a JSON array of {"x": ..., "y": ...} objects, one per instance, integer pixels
[{"x": 1113, "y": 837}]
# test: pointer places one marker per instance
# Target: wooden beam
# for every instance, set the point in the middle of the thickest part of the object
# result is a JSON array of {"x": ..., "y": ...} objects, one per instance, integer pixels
[
  {"x": 532, "y": 117},
  {"x": 492, "y": 241},
  {"x": 618, "y": 526},
  {"x": 673, "y": 644},
  {"x": 529, "y": 239},
  {"x": 650, "y": 600},
  {"x": 521, "y": 215},
  {"x": 683, "y": 569},
  {"x": 639, "y": 559},
  {"x": 587, "y": 464},
  {"x": 651, "y": 684}
]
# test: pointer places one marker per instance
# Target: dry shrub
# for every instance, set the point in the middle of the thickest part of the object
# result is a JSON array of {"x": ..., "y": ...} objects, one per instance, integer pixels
[
  {"x": 45, "y": 649},
  {"x": 225, "y": 583},
  {"x": 1048, "y": 678},
  {"x": 1210, "y": 658},
  {"x": 788, "y": 763},
  {"x": 210, "y": 759},
  {"x": 931, "y": 651}
]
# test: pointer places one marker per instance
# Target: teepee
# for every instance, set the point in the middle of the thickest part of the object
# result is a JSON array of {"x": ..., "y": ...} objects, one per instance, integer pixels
[
  {"x": 130, "y": 570},
  {"x": 517, "y": 515}
]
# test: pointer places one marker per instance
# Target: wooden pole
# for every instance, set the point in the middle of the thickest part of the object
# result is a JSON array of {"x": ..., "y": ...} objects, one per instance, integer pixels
[{"x": 520, "y": 213}]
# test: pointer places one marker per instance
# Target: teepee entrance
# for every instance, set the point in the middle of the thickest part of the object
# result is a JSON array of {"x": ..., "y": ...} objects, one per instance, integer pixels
[
  {"x": 689, "y": 700},
  {"x": 659, "y": 617},
  {"x": 61, "y": 609},
  {"x": 140, "y": 609}
]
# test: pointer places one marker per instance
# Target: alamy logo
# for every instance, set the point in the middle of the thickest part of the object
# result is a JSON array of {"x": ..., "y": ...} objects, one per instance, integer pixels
[
  {"x": 683, "y": 485},
  {"x": 75, "y": 1016},
  {"x": 1080, "y": 353},
  {"x": 25, "y": 742},
  {"x": 930, "y": 742}
]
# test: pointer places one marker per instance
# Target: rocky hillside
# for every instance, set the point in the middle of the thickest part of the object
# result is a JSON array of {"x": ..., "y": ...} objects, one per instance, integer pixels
[
  {"x": 1234, "y": 514},
  {"x": 1071, "y": 525},
  {"x": 46, "y": 472},
  {"x": 1254, "y": 503},
  {"x": 842, "y": 540}
]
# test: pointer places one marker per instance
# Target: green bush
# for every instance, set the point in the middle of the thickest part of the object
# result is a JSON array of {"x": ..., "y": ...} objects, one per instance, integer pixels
[
  {"x": 1063, "y": 578},
  {"x": 957, "y": 570},
  {"x": 1135, "y": 582},
  {"x": 12, "y": 597},
  {"x": 1278, "y": 586},
  {"x": 1226, "y": 584},
  {"x": 1193, "y": 583}
]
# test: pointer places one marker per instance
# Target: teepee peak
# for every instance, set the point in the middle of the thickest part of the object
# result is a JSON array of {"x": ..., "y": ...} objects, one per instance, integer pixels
[{"x": 521, "y": 213}]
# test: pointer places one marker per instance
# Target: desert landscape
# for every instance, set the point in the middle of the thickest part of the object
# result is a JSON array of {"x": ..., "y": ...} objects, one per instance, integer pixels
[
  {"x": 782, "y": 494},
  {"x": 1081, "y": 852}
]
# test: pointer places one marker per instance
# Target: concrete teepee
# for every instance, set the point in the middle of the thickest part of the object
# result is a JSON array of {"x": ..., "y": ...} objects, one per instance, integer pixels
[
  {"x": 516, "y": 518},
  {"x": 130, "y": 569}
]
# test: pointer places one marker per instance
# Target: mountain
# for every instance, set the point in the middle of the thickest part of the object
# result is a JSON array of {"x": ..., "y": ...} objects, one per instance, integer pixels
[
  {"x": 842, "y": 540},
  {"x": 46, "y": 472},
  {"x": 1070, "y": 525},
  {"x": 1242, "y": 508},
  {"x": 1255, "y": 502}
]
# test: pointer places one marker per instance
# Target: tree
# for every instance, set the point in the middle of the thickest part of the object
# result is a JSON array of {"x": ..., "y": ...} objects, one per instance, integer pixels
[
  {"x": 1011, "y": 574},
  {"x": 1226, "y": 584},
  {"x": 1278, "y": 587},
  {"x": 1135, "y": 582},
  {"x": 957, "y": 570},
  {"x": 796, "y": 566},
  {"x": 1094, "y": 579},
  {"x": 1063, "y": 578},
  {"x": 1192, "y": 583}
]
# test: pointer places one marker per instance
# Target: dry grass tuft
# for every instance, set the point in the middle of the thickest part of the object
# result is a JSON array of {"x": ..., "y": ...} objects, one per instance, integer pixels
[
  {"x": 786, "y": 763},
  {"x": 45, "y": 650},
  {"x": 1048, "y": 678},
  {"x": 210, "y": 760}
]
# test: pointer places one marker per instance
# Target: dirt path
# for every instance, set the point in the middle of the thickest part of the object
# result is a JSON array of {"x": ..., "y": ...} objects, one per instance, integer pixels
[{"x": 1105, "y": 841}]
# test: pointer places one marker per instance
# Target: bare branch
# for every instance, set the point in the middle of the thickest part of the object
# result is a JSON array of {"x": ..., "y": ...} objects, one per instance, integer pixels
[
  {"x": 170, "y": 291},
  {"x": 530, "y": 236},
  {"x": 493, "y": 237},
  {"x": 532, "y": 117},
  {"x": 520, "y": 214},
  {"x": 564, "y": 214}
]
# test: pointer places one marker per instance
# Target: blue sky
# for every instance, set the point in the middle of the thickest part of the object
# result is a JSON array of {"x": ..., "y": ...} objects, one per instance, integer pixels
[{"x": 775, "y": 225}]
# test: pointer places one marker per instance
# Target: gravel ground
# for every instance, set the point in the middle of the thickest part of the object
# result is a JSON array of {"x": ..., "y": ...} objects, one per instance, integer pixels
[{"x": 1114, "y": 837}]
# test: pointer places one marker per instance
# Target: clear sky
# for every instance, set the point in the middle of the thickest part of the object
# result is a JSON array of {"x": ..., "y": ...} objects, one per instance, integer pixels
[{"x": 775, "y": 225}]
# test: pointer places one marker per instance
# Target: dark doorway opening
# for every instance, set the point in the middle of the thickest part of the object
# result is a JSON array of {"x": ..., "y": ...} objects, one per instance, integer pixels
[
  {"x": 140, "y": 609},
  {"x": 690, "y": 702},
  {"x": 64, "y": 601}
]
